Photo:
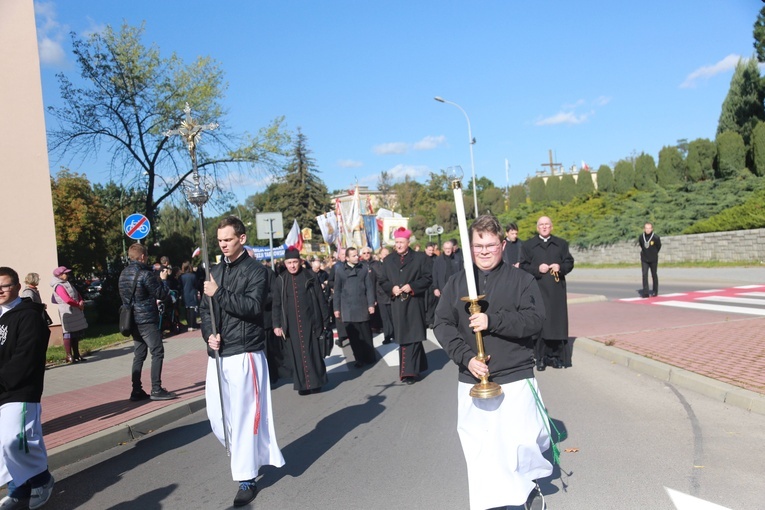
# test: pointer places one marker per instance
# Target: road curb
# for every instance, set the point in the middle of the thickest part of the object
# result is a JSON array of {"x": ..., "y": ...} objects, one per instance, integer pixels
[
  {"x": 723, "y": 392},
  {"x": 104, "y": 440},
  {"x": 586, "y": 298}
]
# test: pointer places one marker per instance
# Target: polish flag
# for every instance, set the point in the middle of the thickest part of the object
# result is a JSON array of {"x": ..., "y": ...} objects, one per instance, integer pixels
[
  {"x": 196, "y": 253},
  {"x": 294, "y": 238},
  {"x": 585, "y": 166}
]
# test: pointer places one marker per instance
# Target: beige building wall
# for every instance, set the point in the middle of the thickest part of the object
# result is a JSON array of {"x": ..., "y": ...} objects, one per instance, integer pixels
[{"x": 27, "y": 231}]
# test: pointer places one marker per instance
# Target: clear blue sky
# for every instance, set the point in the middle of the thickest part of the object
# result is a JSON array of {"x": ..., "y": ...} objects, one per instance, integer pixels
[{"x": 591, "y": 80}]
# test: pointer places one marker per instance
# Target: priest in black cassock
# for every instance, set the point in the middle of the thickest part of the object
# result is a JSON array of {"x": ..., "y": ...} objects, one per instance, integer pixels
[
  {"x": 406, "y": 277},
  {"x": 548, "y": 259},
  {"x": 300, "y": 315}
]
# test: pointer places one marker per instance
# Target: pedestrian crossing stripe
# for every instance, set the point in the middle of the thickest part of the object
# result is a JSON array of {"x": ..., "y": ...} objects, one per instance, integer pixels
[
  {"x": 338, "y": 362},
  {"x": 744, "y": 300}
]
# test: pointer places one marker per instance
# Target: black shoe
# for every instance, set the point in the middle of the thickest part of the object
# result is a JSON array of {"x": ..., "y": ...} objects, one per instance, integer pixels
[
  {"x": 387, "y": 341},
  {"x": 654, "y": 294},
  {"x": 541, "y": 367},
  {"x": 409, "y": 380},
  {"x": 137, "y": 395},
  {"x": 535, "y": 501},
  {"x": 358, "y": 364},
  {"x": 555, "y": 363},
  {"x": 304, "y": 392},
  {"x": 163, "y": 394},
  {"x": 246, "y": 493}
]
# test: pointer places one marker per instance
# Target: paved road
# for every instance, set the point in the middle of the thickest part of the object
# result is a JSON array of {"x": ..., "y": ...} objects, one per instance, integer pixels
[{"x": 367, "y": 443}]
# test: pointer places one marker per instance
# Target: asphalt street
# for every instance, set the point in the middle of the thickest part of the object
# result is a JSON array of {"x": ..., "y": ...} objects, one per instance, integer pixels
[{"x": 369, "y": 442}]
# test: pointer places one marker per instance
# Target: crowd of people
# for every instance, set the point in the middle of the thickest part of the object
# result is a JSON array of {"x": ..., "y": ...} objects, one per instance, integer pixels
[{"x": 262, "y": 323}]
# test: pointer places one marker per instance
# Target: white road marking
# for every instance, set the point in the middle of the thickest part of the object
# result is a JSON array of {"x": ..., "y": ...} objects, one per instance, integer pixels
[
  {"x": 730, "y": 299},
  {"x": 686, "y": 502},
  {"x": 713, "y": 308}
]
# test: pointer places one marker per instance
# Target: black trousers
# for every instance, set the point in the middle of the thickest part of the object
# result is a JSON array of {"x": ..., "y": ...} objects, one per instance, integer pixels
[
  {"x": 360, "y": 338},
  {"x": 652, "y": 267},
  {"x": 387, "y": 320}
]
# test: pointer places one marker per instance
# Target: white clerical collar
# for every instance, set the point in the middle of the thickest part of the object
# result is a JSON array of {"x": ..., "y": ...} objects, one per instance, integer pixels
[
  {"x": 545, "y": 239},
  {"x": 9, "y": 306}
]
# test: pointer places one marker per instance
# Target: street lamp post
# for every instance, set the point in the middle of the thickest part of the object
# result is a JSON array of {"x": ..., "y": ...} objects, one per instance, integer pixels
[{"x": 471, "y": 141}]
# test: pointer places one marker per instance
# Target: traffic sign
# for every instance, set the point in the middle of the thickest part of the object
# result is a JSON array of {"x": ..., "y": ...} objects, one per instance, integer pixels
[{"x": 136, "y": 226}]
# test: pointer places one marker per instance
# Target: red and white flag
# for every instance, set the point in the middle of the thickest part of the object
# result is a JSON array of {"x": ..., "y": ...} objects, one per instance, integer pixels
[
  {"x": 196, "y": 252},
  {"x": 294, "y": 238}
]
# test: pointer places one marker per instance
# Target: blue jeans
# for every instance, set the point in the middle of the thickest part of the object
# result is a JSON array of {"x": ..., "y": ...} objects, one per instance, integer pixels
[{"x": 147, "y": 338}]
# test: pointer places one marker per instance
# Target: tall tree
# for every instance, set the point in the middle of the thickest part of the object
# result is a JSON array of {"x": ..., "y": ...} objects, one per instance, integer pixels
[
  {"x": 537, "y": 190},
  {"x": 731, "y": 155},
  {"x": 671, "y": 168},
  {"x": 759, "y": 36},
  {"x": 645, "y": 172},
  {"x": 517, "y": 195},
  {"x": 552, "y": 188},
  {"x": 129, "y": 95},
  {"x": 758, "y": 149},
  {"x": 567, "y": 188},
  {"x": 700, "y": 161},
  {"x": 743, "y": 106},
  {"x": 384, "y": 186},
  {"x": 303, "y": 195},
  {"x": 624, "y": 176},
  {"x": 584, "y": 183},
  {"x": 605, "y": 178},
  {"x": 79, "y": 216}
]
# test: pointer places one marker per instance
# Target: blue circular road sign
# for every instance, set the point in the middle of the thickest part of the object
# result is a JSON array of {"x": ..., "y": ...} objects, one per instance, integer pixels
[{"x": 136, "y": 226}]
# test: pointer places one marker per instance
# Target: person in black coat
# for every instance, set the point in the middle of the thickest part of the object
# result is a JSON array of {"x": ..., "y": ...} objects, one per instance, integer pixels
[
  {"x": 650, "y": 245},
  {"x": 146, "y": 335},
  {"x": 354, "y": 303},
  {"x": 383, "y": 298},
  {"x": 190, "y": 291},
  {"x": 511, "y": 253},
  {"x": 548, "y": 259},
  {"x": 406, "y": 278}
]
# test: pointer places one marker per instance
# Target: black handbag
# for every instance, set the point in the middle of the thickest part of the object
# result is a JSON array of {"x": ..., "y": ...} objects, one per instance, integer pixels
[
  {"x": 126, "y": 311},
  {"x": 325, "y": 342}
]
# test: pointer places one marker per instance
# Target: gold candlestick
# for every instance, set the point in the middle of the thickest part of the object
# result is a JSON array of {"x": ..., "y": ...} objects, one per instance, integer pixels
[{"x": 485, "y": 388}]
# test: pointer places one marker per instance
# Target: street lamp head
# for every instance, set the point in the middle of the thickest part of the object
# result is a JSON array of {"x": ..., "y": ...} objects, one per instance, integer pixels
[
  {"x": 455, "y": 175},
  {"x": 440, "y": 99}
]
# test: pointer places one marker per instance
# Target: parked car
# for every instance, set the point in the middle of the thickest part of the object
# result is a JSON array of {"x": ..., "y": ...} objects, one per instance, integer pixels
[{"x": 93, "y": 290}]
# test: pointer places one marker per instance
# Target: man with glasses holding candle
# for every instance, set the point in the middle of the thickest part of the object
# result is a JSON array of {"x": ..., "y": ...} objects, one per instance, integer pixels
[
  {"x": 503, "y": 438},
  {"x": 406, "y": 278},
  {"x": 548, "y": 259}
]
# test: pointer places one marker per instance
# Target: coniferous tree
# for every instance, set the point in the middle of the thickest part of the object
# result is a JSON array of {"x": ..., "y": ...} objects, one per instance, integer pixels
[
  {"x": 759, "y": 36},
  {"x": 302, "y": 194},
  {"x": 552, "y": 188},
  {"x": 584, "y": 183},
  {"x": 517, "y": 195},
  {"x": 537, "y": 190},
  {"x": 758, "y": 149},
  {"x": 605, "y": 178},
  {"x": 624, "y": 176},
  {"x": 731, "y": 155},
  {"x": 645, "y": 172},
  {"x": 671, "y": 167},
  {"x": 567, "y": 188},
  {"x": 699, "y": 164},
  {"x": 743, "y": 106}
]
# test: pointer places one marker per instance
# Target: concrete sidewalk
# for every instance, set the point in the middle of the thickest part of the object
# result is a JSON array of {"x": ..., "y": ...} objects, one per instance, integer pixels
[{"x": 86, "y": 409}]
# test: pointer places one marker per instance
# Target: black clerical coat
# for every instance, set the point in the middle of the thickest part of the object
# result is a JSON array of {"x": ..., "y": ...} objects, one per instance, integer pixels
[
  {"x": 300, "y": 311},
  {"x": 555, "y": 251},
  {"x": 408, "y": 314}
]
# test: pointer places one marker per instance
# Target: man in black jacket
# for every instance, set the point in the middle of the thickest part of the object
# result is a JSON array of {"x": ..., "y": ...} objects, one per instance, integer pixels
[
  {"x": 23, "y": 343},
  {"x": 354, "y": 303},
  {"x": 146, "y": 334},
  {"x": 238, "y": 290},
  {"x": 503, "y": 438},
  {"x": 650, "y": 244}
]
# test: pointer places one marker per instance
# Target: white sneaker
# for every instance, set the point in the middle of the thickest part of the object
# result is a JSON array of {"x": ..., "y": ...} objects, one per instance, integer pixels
[
  {"x": 41, "y": 495},
  {"x": 9, "y": 503}
]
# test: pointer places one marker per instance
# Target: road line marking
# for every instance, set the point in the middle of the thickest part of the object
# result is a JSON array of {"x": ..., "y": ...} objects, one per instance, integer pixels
[
  {"x": 729, "y": 299},
  {"x": 710, "y": 291},
  {"x": 713, "y": 308},
  {"x": 754, "y": 294},
  {"x": 684, "y": 501},
  {"x": 748, "y": 287}
]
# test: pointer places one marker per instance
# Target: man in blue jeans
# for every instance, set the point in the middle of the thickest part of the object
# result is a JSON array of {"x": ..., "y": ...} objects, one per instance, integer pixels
[{"x": 140, "y": 287}]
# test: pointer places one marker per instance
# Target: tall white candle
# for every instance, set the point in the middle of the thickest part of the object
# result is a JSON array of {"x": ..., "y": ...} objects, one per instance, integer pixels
[{"x": 467, "y": 250}]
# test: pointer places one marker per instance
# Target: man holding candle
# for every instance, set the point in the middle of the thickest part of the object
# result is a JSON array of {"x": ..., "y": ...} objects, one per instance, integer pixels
[
  {"x": 503, "y": 438},
  {"x": 406, "y": 277},
  {"x": 548, "y": 259}
]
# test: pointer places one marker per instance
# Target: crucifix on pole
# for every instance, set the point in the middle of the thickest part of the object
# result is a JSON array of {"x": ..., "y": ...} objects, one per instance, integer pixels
[
  {"x": 197, "y": 195},
  {"x": 552, "y": 164}
]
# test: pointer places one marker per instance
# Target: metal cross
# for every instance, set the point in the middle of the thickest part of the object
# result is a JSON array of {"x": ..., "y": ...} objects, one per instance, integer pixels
[{"x": 190, "y": 131}]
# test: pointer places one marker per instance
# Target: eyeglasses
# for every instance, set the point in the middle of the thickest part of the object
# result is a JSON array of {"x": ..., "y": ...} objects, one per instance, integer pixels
[
  {"x": 491, "y": 248},
  {"x": 7, "y": 287}
]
